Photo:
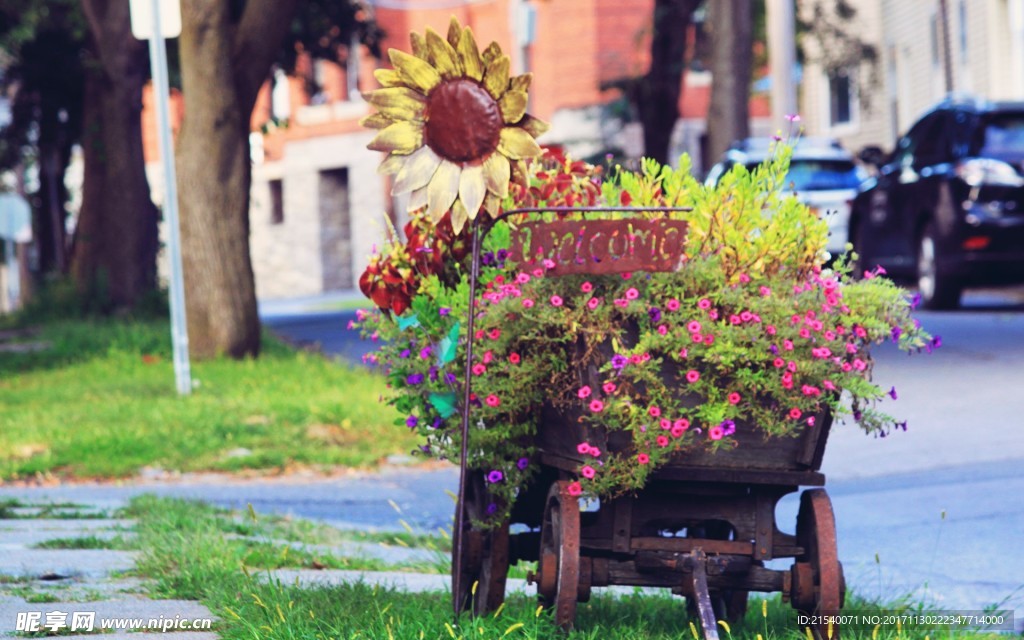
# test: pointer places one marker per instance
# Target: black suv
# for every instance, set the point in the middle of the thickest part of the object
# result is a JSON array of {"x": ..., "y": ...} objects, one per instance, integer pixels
[{"x": 947, "y": 207}]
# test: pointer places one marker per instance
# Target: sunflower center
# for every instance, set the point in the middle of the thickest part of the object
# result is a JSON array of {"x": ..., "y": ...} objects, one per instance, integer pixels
[{"x": 463, "y": 121}]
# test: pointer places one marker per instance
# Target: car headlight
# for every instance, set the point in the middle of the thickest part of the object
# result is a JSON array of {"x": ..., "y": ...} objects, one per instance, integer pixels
[{"x": 978, "y": 172}]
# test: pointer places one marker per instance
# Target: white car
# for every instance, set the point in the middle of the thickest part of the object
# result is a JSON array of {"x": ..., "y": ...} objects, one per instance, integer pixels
[{"x": 822, "y": 175}]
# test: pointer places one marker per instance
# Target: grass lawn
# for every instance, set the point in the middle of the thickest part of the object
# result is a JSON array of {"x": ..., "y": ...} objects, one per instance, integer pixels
[
  {"x": 100, "y": 401},
  {"x": 185, "y": 550}
]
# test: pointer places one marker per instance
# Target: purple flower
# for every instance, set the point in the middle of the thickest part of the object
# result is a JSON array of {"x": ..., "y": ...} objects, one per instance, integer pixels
[
  {"x": 916, "y": 300},
  {"x": 502, "y": 254},
  {"x": 728, "y": 427},
  {"x": 432, "y": 372},
  {"x": 619, "y": 361},
  {"x": 936, "y": 342},
  {"x": 774, "y": 349},
  {"x": 492, "y": 509},
  {"x": 425, "y": 352},
  {"x": 892, "y": 393},
  {"x": 522, "y": 463},
  {"x": 414, "y": 379},
  {"x": 495, "y": 476},
  {"x": 404, "y": 354},
  {"x": 654, "y": 314},
  {"x": 450, "y": 378},
  {"x": 443, "y": 311},
  {"x": 488, "y": 258},
  {"x": 425, "y": 448},
  {"x": 902, "y": 425},
  {"x": 436, "y": 424},
  {"x": 896, "y": 333},
  {"x": 412, "y": 421}
]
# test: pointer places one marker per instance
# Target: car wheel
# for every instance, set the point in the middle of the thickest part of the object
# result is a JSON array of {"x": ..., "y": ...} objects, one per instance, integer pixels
[{"x": 938, "y": 290}]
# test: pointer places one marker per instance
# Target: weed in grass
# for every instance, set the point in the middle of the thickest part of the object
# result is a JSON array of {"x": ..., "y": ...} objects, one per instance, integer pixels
[{"x": 88, "y": 542}]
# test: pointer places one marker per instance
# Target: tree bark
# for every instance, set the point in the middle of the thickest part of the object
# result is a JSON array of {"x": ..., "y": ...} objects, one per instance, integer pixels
[
  {"x": 660, "y": 89},
  {"x": 116, "y": 241},
  {"x": 223, "y": 63},
  {"x": 732, "y": 33}
]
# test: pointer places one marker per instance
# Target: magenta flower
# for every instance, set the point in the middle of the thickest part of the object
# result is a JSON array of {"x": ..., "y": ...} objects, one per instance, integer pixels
[
  {"x": 574, "y": 489},
  {"x": 586, "y": 287},
  {"x": 527, "y": 303},
  {"x": 693, "y": 326},
  {"x": 672, "y": 305},
  {"x": 692, "y": 376},
  {"x": 665, "y": 424},
  {"x": 608, "y": 387},
  {"x": 795, "y": 413},
  {"x": 643, "y": 458},
  {"x": 716, "y": 432},
  {"x": 662, "y": 441},
  {"x": 596, "y": 406},
  {"x": 734, "y": 398},
  {"x": 495, "y": 476},
  {"x": 556, "y": 301},
  {"x": 588, "y": 471},
  {"x": 704, "y": 303},
  {"x": 479, "y": 369},
  {"x": 583, "y": 448},
  {"x": 593, "y": 303},
  {"x": 492, "y": 400},
  {"x": 632, "y": 294},
  {"x": 584, "y": 392},
  {"x": 654, "y": 412}
]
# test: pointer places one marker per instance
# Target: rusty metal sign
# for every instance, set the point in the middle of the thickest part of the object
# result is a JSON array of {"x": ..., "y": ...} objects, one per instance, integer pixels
[{"x": 602, "y": 246}]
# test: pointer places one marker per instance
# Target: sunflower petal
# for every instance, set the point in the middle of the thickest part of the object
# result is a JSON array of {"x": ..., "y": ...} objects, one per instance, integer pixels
[
  {"x": 472, "y": 188},
  {"x": 492, "y": 205},
  {"x": 454, "y": 32},
  {"x": 443, "y": 55},
  {"x": 515, "y": 143},
  {"x": 496, "y": 174},
  {"x": 491, "y": 53},
  {"x": 391, "y": 165},
  {"x": 459, "y": 217},
  {"x": 496, "y": 77},
  {"x": 521, "y": 83},
  {"x": 399, "y": 103},
  {"x": 387, "y": 77},
  {"x": 520, "y": 173},
  {"x": 376, "y": 121},
  {"x": 416, "y": 72},
  {"x": 443, "y": 188},
  {"x": 401, "y": 138},
  {"x": 534, "y": 126},
  {"x": 417, "y": 199},
  {"x": 513, "y": 106},
  {"x": 417, "y": 172},
  {"x": 470, "y": 55},
  {"x": 418, "y": 46}
]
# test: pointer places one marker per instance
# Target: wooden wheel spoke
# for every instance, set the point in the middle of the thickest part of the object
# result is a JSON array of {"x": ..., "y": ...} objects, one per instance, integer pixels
[
  {"x": 559, "y": 567},
  {"x": 819, "y": 586}
]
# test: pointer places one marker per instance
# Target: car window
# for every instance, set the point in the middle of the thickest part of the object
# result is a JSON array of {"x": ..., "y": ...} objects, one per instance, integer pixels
[
  {"x": 999, "y": 134},
  {"x": 923, "y": 144},
  {"x": 822, "y": 175}
]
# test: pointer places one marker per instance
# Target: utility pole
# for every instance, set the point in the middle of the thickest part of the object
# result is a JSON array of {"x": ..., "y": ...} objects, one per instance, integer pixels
[{"x": 781, "y": 22}]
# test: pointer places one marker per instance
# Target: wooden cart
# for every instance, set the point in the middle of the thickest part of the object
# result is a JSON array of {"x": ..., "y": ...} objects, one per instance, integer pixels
[{"x": 703, "y": 526}]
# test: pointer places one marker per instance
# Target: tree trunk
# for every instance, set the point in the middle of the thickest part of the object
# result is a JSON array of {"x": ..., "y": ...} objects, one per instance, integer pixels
[
  {"x": 659, "y": 92},
  {"x": 731, "y": 29},
  {"x": 224, "y": 60},
  {"x": 116, "y": 241}
]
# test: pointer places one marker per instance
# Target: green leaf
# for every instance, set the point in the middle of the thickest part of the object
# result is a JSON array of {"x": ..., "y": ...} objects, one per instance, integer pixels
[{"x": 444, "y": 403}]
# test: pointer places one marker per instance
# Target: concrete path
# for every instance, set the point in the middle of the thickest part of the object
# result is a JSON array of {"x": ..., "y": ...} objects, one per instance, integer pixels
[{"x": 86, "y": 590}]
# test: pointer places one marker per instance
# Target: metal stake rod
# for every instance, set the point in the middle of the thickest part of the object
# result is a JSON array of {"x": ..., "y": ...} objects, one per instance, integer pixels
[
  {"x": 458, "y": 538},
  {"x": 179, "y": 328}
]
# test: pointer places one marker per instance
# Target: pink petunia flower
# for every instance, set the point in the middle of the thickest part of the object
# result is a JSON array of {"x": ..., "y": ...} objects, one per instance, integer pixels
[
  {"x": 672, "y": 305},
  {"x": 716, "y": 432},
  {"x": 527, "y": 303},
  {"x": 654, "y": 412},
  {"x": 704, "y": 303},
  {"x": 479, "y": 369},
  {"x": 492, "y": 400},
  {"x": 556, "y": 301},
  {"x": 693, "y": 326},
  {"x": 662, "y": 330},
  {"x": 696, "y": 337},
  {"x": 574, "y": 489},
  {"x": 665, "y": 424},
  {"x": 709, "y": 339},
  {"x": 662, "y": 441},
  {"x": 643, "y": 458},
  {"x": 632, "y": 294},
  {"x": 608, "y": 387},
  {"x": 514, "y": 358},
  {"x": 588, "y": 471},
  {"x": 734, "y": 398},
  {"x": 523, "y": 278},
  {"x": 583, "y": 448},
  {"x": 584, "y": 392},
  {"x": 593, "y": 303},
  {"x": 596, "y": 406},
  {"x": 586, "y": 287},
  {"x": 795, "y": 413},
  {"x": 692, "y": 376}
]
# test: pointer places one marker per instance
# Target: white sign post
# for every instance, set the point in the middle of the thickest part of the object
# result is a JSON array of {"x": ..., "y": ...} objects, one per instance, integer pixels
[{"x": 155, "y": 20}]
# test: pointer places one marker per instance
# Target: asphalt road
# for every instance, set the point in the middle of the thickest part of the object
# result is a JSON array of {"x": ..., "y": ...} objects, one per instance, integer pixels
[{"x": 936, "y": 513}]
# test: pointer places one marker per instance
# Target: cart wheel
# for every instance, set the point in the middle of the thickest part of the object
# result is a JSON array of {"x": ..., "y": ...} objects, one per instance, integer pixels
[
  {"x": 558, "y": 571},
  {"x": 818, "y": 584},
  {"x": 485, "y": 555}
]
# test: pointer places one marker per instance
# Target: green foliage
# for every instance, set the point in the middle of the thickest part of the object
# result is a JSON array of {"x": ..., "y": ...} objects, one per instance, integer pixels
[{"x": 752, "y": 337}]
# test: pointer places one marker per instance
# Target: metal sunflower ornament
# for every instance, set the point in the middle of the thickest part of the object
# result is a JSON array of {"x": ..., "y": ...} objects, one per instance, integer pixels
[{"x": 453, "y": 123}]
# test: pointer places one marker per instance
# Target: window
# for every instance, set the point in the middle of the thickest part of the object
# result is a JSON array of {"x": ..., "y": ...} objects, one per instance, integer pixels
[
  {"x": 276, "y": 202},
  {"x": 840, "y": 94}
]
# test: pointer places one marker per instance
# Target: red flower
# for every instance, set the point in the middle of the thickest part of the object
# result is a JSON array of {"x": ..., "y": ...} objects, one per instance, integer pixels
[{"x": 514, "y": 358}]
